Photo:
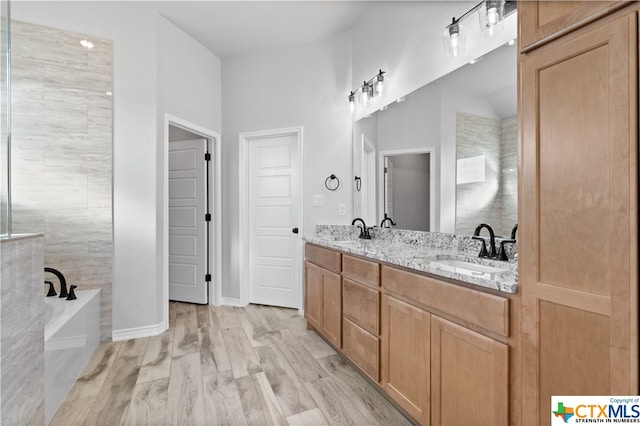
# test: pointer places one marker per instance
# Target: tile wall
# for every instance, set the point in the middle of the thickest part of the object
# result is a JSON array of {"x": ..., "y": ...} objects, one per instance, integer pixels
[
  {"x": 495, "y": 199},
  {"x": 62, "y": 152},
  {"x": 22, "y": 331}
]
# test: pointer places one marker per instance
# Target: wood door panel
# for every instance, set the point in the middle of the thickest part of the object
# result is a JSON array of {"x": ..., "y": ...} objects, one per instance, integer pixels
[
  {"x": 313, "y": 294},
  {"x": 326, "y": 258},
  {"x": 362, "y": 305},
  {"x": 541, "y": 21},
  {"x": 574, "y": 347},
  {"x": 578, "y": 265},
  {"x": 361, "y": 270},
  {"x": 469, "y": 376},
  {"x": 332, "y": 307},
  {"x": 406, "y": 356},
  {"x": 574, "y": 167},
  {"x": 362, "y": 347}
]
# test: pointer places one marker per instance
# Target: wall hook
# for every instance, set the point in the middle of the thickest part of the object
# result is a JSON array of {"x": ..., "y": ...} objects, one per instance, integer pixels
[{"x": 358, "y": 183}]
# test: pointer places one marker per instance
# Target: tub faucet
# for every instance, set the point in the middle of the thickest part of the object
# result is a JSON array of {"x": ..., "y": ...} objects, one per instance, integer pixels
[
  {"x": 492, "y": 241},
  {"x": 63, "y": 281},
  {"x": 387, "y": 219},
  {"x": 364, "y": 231}
]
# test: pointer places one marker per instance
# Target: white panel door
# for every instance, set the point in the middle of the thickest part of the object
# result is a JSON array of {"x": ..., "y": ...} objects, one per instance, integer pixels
[
  {"x": 188, "y": 236},
  {"x": 273, "y": 213},
  {"x": 388, "y": 187}
]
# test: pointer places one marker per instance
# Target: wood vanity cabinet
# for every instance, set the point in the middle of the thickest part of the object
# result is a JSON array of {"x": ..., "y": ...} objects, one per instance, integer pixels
[
  {"x": 323, "y": 292},
  {"x": 438, "y": 370},
  {"x": 578, "y": 211}
]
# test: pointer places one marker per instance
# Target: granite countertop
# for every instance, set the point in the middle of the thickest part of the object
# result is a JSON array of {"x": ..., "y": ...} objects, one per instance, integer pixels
[{"x": 433, "y": 259}]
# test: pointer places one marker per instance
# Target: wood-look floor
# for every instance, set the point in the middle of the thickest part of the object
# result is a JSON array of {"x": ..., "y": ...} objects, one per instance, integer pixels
[{"x": 257, "y": 365}]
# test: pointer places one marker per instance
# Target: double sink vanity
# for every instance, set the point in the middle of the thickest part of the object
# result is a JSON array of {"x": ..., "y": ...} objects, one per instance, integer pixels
[{"x": 420, "y": 314}]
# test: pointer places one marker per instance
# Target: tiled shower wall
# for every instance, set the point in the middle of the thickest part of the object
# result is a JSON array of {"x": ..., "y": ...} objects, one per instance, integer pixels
[
  {"x": 494, "y": 200},
  {"x": 62, "y": 153}
]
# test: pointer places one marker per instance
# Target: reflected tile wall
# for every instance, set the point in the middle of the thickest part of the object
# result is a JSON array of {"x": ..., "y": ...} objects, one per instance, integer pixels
[
  {"x": 62, "y": 153},
  {"x": 22, "y": 330}
]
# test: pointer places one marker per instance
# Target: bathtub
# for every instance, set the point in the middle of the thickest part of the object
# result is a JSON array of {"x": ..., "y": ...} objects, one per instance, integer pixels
[{"x": 71, "y": 335}]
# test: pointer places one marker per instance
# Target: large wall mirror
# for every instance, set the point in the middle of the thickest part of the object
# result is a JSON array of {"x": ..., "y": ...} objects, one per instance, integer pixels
[{"x": 445, "y": 157}]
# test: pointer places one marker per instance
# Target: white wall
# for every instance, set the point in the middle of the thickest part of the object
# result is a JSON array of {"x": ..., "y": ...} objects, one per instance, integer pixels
[
  {"x": 405, "y": 40},
  {"x": 299, "y": 86},
  {"x": 189, "y": 87},
  {"x": 142, "y": 41}
]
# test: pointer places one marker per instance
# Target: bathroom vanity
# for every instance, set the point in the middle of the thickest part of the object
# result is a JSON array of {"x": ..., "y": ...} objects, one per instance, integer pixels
[{"x": 422, "y": 322}]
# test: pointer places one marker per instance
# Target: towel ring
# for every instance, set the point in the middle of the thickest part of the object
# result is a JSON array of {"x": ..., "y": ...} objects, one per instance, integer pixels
[{"x": 328, "y": 183}]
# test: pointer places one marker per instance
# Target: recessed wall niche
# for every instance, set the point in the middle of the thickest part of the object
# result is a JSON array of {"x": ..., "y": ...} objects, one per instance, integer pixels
[{"x": 62, "y": 152}]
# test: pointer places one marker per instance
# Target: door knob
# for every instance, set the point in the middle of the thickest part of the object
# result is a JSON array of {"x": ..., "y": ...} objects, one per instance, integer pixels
[{"x": 295, "y": 230}]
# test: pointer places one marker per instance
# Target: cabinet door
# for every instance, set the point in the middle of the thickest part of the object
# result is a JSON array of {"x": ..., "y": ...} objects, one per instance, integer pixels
[
  {"x": 578, "y": 262},
  {"x": 313, "y": 294},
  {"x": 332, "y": 307},
  {"x": 405, "y": 356},
  {"x": 361, "y": 347},
  {"x": 543, "y": 19},
  {"x": 469, "y": 376}
]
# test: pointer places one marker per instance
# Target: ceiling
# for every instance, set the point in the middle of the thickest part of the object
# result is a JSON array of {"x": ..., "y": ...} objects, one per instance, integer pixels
[{"x": 231, "y": 28}]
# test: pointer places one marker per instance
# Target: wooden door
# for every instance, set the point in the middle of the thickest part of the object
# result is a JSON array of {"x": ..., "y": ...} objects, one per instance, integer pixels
[
  {"x": 542, "y": 20},
  {"x": 578, "y": 217},
  {"x": 332, "y": 307},
  {"x": 405, "y": 356},
  {"x": 469, "y": 377},
  {"x": 313, "y": 294}
]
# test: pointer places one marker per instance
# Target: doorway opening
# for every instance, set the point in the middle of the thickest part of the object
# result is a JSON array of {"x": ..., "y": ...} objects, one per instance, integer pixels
[
  {"x": 271, "y": 225},
  {"x": 192, "y": 243},
  {"x": 406, "y": 191}
]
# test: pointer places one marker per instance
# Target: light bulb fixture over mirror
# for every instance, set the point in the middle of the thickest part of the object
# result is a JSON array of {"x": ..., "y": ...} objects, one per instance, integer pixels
[
  {"x": 491, "y": 14},
  {"x": 369, "y": 89}
]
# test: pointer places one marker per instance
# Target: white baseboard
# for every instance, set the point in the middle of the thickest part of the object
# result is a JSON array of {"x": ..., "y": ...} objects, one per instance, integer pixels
[
  {"x": 137, "y": 332},
  {"x": 230, "y": 301}
]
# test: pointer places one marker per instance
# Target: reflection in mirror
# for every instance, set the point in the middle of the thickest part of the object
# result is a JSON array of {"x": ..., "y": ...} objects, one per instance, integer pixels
[{"x": 467, "y": 121}]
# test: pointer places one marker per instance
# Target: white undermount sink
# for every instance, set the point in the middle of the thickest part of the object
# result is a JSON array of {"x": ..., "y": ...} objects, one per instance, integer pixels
[{"x": 462, "y": 267}]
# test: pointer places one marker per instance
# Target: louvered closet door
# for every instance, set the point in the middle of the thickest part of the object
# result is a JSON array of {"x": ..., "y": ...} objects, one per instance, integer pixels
[{"x": 578, "y": 217}]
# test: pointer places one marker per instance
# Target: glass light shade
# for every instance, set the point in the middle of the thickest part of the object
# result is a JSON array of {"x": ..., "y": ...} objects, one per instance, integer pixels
[
  {"x": 352, "y": 102},
  {"x": 366, "y": 94},
  {"x": 454, "y": 37},
  {"x": 491, "y": 15},
  {"x": 379, "y": 84}
]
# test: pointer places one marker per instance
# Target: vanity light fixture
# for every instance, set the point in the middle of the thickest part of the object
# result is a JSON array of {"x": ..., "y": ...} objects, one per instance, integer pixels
[
  {"x": 491, "y": 14},
  {"x": 369, "y": 89}
]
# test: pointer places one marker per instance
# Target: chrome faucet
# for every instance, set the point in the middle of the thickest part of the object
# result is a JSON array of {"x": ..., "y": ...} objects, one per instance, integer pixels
[
  {"x": 364, "y": 231},
  {"x": 492, "y": 241},
  {"x": 387, "y": 218},
  {"x": 513, "y": 231}
]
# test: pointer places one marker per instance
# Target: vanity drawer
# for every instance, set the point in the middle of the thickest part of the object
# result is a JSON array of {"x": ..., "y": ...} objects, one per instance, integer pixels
[
  {"x": 481, "y": 309},
  {"x": 361, "y": 270},
  {"x": 326, "y": 258},
  {"x": 361, "y": 304},
  {"x": 362, "y": 347}
]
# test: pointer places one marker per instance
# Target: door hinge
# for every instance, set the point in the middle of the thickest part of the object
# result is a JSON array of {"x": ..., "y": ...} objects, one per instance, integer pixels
[
  {"x": 207, "y": 217},
  {"x": 385, "y": 170},
  {"x": 207, "y": 277},
  {"x": 207, "y": 157}
]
